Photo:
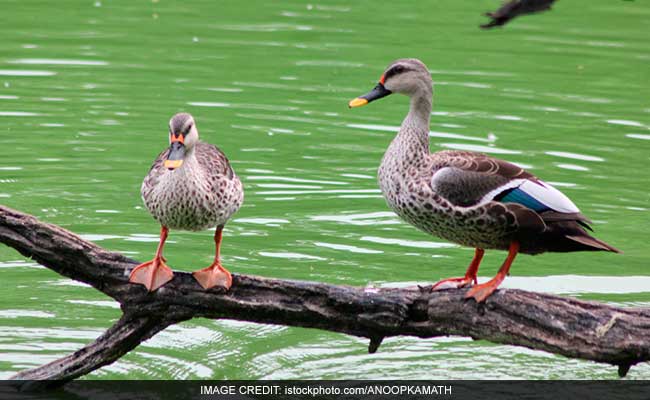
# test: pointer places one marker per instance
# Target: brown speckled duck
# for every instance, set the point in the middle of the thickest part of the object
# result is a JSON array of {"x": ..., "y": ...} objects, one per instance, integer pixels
[
  {"x": 191, "y": 186},
  {"x": 470, "y": 198}
]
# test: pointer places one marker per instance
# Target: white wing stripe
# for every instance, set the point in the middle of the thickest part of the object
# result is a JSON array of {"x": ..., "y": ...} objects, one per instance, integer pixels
[
  {"x": 493, "y": 193},
  {"x": 549, "y": 196},
  {"x": 540, "y": 191}
]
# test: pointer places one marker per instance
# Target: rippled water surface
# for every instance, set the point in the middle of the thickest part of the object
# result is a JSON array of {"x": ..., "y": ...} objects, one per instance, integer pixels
[{"x": 84, "y": 104}]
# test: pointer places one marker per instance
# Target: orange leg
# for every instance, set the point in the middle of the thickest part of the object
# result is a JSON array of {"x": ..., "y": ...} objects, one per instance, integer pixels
[
  {"x": 470, "y": 275},
  {"x": 215, "y": 274},
  {"x": 155, "y": 273},
  {"x": 484, "y": 290}
]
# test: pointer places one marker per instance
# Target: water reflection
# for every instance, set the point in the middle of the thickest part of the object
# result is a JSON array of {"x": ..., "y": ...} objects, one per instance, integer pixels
[
  {"x": 19, "y": 264},
  {"x": 575, "y": 156},
  {"x": 290, "y": 255},
  {"x": 465, "y": 84},
  {"x": 13, "y": 72},
  {"x": 19, "y": 114},
  {"x": 51, "y": 61},
  {"x": 96, "y": 303},
  {"x": 624, "y": 122},
  {"x": 11, "y": 314},
  {"x": 395, "y": 129},
  {"x": 262, "y": 221},
  {"x": 374, "y": 218},
  {"x": 572, "y": 167},
  {"x": 580, "y": 43},
  {"x": 408, "y": 243},
  {"x": 638, "y": 136},
  {"x": 345, "y": 247},
  {"x": 359, "y": 176},
  {"x": 471, "y": 73},
  {"x": 327, "y": 191},
  {"x": 454, "y": 358},
  {"x": 291, "y": 179}
]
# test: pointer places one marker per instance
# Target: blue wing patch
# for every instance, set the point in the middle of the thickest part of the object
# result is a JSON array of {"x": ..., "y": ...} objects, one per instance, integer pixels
[{"x": 517, "y": 195}]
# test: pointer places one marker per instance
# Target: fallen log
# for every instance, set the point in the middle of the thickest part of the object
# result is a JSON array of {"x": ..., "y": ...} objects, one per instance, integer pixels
[{"x": 566, "y": 326}]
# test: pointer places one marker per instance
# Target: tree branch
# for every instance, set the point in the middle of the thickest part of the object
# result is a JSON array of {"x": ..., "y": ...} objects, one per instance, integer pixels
[{"x": 566, "y": 326}]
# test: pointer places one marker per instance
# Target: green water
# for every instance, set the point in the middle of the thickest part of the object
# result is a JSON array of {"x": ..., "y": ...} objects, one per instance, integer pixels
[{"x": 87, "y": 88}]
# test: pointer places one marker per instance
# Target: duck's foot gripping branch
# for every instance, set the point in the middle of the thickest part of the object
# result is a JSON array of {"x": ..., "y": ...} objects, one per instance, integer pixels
[{"x": 566, "y": 326}]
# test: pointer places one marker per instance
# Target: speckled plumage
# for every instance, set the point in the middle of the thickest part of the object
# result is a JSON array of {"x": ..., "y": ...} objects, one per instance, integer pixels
[
  {"x": 447, "y": 212},
  {"x": 190, "y": 186},
  {"x": 466, "y": 197},
  {"x": 455, "y": 194},
  {"x": 205, "y": 192}
]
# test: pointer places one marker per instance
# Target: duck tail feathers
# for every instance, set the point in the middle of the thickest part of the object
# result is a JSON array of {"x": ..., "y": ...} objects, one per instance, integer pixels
[{"x": 593, "y": 243}]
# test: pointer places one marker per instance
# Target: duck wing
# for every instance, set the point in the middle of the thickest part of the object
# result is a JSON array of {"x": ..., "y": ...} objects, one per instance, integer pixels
[
  {"x": 155, "y": 172},
  {"x": 214, "y": 162},
  {"x": 469, "y": 179}
]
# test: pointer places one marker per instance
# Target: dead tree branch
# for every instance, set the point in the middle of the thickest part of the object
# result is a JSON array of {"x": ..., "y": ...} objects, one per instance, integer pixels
[{"x": 566, "y": 326}]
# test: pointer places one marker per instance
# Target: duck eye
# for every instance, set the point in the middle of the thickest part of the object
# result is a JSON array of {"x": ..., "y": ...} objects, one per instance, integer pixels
[{"x": 398, "y": 69}]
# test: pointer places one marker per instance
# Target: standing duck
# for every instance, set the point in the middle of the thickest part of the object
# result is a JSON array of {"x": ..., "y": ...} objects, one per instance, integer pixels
[
  {"x": 191, "y": 186},
  {"x": 466, "y": 197}
]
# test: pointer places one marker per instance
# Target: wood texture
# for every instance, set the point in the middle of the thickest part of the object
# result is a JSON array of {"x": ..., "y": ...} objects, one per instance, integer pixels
[{"x": 566, "y": 326}]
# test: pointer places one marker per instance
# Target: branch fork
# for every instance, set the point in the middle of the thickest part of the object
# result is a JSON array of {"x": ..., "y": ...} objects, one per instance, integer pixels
[{"x": 565, "y": 326}]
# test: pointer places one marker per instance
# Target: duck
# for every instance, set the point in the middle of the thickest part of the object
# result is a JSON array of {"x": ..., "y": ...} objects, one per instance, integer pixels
[
  {"x": 469, "y": 198},
  {"x": 191, "y": 186}
]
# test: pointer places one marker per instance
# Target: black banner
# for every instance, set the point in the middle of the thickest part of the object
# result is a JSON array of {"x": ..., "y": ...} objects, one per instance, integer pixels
[{"x": 380, "y": 390}]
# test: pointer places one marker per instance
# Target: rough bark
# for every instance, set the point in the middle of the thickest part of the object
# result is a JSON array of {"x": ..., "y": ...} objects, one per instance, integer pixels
[{"x": 566, "y": 326}]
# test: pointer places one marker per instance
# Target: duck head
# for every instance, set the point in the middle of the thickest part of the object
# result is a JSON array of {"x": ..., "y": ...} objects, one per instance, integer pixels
[
  {"x": 408, "y": 76},
  {"x": 183, "y": 135}
]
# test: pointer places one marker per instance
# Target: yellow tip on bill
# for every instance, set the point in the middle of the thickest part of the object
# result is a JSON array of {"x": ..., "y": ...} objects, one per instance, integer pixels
[
  {"x": 358, "y": 102},
  {"x": 173, "y": 164}
]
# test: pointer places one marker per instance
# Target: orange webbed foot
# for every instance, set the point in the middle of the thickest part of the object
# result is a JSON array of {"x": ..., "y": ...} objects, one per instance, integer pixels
[
  {"x": 481, "y": 292},
  {"x": 453, "y": 283},
  {"x": 214, "y": 275},
  {"x": 152, "y": 274}
]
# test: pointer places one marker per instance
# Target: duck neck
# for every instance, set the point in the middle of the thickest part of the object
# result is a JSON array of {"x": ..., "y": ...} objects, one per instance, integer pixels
[
  {"x": 190, "y": 159},
  {"x": 187, "y": 170},
  {"x": 412, "y": 141}
]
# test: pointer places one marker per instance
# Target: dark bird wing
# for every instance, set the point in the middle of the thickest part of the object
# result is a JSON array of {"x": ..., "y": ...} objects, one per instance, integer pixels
[{"x": 515, "y": 8}]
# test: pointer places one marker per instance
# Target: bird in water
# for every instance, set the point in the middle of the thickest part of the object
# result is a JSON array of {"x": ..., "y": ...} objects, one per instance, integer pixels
[
  {"x": 466, "y": 197},
  {"x": 191, "y": 186}
]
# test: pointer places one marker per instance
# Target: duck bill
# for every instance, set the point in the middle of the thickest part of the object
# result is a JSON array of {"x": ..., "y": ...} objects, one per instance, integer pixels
[
  {"x": 377, "y": 93},
  {"x": 176, "y": 155}
]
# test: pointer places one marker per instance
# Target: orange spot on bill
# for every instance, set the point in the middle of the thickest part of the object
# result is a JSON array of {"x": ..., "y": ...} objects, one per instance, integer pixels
[{"x": 173, "y": 164}]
